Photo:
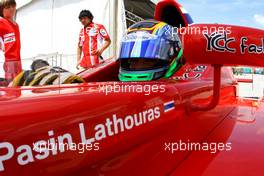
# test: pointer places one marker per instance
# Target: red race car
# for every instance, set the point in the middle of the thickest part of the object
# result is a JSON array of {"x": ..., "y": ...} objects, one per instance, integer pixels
[{"x": 191, "y": 123}]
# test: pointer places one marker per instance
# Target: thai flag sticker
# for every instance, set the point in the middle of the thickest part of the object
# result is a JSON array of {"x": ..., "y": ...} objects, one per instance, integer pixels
[{"x": 169, "y": 106}]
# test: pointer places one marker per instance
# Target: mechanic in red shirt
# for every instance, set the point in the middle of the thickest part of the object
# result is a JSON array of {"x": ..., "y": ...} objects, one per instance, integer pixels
[
  {"x": 10, "y": 37},
  {"x": 93, "y": 41}
]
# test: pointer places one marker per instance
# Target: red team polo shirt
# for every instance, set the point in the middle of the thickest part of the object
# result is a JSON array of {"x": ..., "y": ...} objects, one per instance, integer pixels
[
  {"x": 90, "y": 39},
  {"x": 10, "y": 37}
]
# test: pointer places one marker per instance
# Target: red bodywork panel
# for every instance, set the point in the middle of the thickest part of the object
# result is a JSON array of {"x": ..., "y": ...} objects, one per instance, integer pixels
[
  {"x": 167, "y": 8},
  {"x": 121, "y": 145},
  {"x": 62, "y": 109},
  {"x": 243, "y": 127}
]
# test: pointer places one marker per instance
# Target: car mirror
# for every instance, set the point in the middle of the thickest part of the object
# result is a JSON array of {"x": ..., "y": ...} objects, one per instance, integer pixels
[{"x": 221, "y": 45}]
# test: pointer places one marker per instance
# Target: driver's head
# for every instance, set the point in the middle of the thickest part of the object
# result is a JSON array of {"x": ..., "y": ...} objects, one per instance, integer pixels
[
  {"x": 37, "y": 64},
  {"x": 7, "y": 8},
  {"x": 151, "y": 50},
  {"x": 86, "y": 17}
]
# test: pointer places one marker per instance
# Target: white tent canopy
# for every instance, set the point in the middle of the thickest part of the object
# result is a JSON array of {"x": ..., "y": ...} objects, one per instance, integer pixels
[{"x": 49, "y": 26}]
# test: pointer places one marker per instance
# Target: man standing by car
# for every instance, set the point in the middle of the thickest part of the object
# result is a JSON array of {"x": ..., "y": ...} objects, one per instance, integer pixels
[
  {"x": 93, "y": 41},
  {"x": 10, "y": 37}
]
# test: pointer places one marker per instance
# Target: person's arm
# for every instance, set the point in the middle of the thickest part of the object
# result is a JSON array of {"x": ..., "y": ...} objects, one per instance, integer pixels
[
  {"x": 107, "y": 41},
  {"x": 100, "y": 51},
  {"x": 2, "y": 46},
  {"x": 79, "y": 54}
]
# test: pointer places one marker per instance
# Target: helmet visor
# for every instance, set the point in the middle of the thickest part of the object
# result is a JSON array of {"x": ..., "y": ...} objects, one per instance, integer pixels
[
  {"x": 136, "y": 64},
  {"x": 142, "y": 44}
]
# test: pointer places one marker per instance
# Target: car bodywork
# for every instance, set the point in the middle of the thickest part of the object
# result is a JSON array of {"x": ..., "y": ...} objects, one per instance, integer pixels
[{"x": 102, "y": 113}]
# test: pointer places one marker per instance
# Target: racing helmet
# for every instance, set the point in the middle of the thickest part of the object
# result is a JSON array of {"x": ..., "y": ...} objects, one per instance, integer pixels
[{"x": 150, "y": 50}]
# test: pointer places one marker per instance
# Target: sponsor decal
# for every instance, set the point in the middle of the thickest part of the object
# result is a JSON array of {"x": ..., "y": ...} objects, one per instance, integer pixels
[
  {"x": 169, "y": 106},
  {"x": 251, "y": 48},
  {"x": 187, "y": 76},
  {"x": 219, "y": 42},
  {"x": 195, "y": 73},
  {"x": 9, "y": 35},
  {"x": 200, "y": 68},
  {"x": 139, "y": 36},
  {"x": 111, "y": 126},
  {"x": 103, "y": 32},
  {"x": 91, "y": 31},
  {"x": 8, "y": 38}
]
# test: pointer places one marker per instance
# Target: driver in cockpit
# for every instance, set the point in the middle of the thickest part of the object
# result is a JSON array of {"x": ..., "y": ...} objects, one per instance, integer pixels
[{"x": 151, "y": 50}]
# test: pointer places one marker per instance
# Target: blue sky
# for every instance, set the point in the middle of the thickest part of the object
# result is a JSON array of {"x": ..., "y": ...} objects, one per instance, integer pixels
[{"x": 237, "y": 12}]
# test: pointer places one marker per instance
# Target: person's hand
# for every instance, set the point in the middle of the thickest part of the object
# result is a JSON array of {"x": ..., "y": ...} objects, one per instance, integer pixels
[
  {"x": 97, "y": 52},
  {"x": 2, "y": 47},
  {"x": 78, "y": 65}
]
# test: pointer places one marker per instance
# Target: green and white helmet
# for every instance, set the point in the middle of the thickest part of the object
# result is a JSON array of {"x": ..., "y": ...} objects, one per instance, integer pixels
[{"x": 151, "y": 50}]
